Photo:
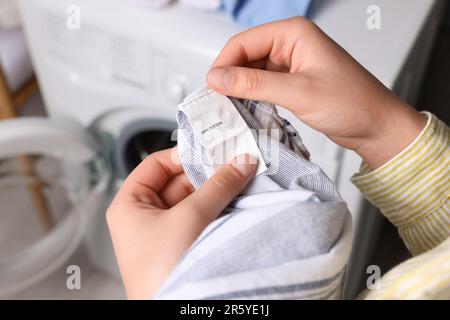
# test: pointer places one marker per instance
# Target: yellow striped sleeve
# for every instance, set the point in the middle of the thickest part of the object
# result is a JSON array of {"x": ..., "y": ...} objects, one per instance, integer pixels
[
  {"x": 413, "y": 189},
  {"x": 426, "y": 276}
]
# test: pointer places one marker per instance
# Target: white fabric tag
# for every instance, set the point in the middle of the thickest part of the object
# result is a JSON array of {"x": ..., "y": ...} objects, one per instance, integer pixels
[{"x": 220, "y": 128}]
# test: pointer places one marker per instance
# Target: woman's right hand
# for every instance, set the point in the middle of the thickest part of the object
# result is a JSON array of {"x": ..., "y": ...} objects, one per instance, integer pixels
[{"x": 293, "y": 64}]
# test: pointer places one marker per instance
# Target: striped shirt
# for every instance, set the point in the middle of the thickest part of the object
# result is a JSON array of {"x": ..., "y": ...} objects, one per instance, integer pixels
[
  {"x": 412, "y": 190},
  {"x": 287, "y": 236}
]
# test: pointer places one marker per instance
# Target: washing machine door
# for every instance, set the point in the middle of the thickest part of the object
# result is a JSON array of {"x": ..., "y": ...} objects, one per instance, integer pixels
[
  {"x": 26, "y": 147},
  {"x": 127, "y": 135}
]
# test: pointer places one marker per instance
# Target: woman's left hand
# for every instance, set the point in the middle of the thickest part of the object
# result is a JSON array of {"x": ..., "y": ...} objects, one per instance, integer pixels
[{"x": 156, "y": 216}]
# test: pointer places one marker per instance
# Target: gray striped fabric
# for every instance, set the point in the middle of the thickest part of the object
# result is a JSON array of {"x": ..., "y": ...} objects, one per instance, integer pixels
[{"x": 288, "y": 236}]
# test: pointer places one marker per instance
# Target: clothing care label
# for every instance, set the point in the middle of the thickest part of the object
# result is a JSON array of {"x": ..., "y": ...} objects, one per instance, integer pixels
[{"x": 220, "y": 128}]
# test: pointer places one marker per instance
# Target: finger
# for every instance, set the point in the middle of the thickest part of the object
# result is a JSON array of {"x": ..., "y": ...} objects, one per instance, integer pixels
[
  {"x": 258, "y": 42},
  {"x": 272, "y": 66},
  {"x": 218, "y": 191},
  {"x": 282, "y": 89},
  {"x": 256, "y": 64},
  {"x": 152, "y": 174},
  {"x": 176, "y": 189},
  {"x": 266, "y": 64}
]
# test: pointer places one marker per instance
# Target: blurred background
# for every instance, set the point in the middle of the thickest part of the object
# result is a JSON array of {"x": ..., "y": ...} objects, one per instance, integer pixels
[{"x": 88, "y": 88}]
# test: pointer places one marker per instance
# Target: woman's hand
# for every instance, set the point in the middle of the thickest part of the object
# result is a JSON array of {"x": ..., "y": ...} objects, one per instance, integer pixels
[
  {"x": 157, "y": 215},
  {"x": 292, "y": 63}
]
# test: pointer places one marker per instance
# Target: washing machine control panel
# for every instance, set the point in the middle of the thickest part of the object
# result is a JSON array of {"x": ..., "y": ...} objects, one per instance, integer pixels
[{"x": 105, "y": 65}]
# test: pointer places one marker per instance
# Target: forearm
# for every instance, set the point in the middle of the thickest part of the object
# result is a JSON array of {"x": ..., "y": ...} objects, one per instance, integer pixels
[
  {"x": 397, "y": 127},
  {"x": 413, "y": 188}
]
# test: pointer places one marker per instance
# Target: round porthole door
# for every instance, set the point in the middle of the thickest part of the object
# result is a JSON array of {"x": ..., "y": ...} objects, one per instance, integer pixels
[{"x": 126, "y": 135}]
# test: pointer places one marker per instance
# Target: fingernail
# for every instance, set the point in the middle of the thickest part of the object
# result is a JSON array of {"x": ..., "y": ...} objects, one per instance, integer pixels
[
  {"x": 245, "y": 164},
  {"x": 219, "y": 78}
]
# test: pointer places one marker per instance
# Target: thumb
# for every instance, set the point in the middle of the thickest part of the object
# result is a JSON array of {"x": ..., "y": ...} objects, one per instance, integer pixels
[
  {"x": 219, "y": 190},
  {"x": 275, "y": 87}
]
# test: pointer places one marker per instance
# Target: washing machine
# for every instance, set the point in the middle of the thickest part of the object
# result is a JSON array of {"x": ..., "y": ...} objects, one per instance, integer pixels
[{"x": 111, "y": 89}]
